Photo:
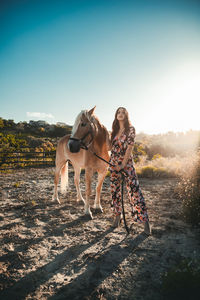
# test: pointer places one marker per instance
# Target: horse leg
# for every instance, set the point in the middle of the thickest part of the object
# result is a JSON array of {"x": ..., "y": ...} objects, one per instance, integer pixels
[
  {"x": 88, "y": 179},
  {"x": 97, "y": 204},
  {"x": 64, "y": 178},
  {"x": 77, "y": 171},
  {"x": 56, "y": 181}
]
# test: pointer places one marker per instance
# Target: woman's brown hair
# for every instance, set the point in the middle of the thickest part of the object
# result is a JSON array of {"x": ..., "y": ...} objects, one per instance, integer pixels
[{"x": 115, "y": 125}]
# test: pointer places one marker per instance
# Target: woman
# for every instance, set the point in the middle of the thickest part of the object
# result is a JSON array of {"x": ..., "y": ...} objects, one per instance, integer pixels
[{"x": 122, "y": 140}]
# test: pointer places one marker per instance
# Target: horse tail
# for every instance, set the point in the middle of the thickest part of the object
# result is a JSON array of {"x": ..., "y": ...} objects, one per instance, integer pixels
[{"x": 64, "y": 178}]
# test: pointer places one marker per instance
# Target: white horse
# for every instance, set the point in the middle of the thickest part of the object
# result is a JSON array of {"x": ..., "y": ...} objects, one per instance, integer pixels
[{"x": 90, "y": 133}]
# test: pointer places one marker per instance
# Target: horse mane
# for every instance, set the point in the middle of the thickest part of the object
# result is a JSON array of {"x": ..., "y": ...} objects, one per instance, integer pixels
[{"x": 102, "y": 135}]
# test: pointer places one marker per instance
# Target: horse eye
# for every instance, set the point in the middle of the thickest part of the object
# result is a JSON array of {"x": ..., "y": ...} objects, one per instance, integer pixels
[{"x": 83, "y": 124}]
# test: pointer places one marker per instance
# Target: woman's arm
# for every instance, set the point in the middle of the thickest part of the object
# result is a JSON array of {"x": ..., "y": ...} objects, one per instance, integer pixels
[
  {"x": 127, "y": 155},
  {"x": 126, "y": 158}
]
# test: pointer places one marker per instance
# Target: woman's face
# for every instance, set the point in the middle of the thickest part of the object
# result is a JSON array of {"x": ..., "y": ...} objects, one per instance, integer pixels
[{"x": 121, "y": 114}]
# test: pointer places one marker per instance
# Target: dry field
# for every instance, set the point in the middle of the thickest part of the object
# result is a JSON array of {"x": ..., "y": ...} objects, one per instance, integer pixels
[{"x": 49, "y": 251}]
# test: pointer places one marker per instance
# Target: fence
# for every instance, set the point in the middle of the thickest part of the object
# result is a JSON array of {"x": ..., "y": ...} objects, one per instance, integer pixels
[{"x": 26, "y": 159}]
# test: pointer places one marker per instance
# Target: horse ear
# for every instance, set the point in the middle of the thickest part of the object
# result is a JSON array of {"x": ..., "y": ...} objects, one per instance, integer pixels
[{"x": 91, "y": 111}]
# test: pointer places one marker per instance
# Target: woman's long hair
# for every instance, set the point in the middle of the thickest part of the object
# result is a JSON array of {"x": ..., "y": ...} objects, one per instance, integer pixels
[{"x": 115, "y": 125}]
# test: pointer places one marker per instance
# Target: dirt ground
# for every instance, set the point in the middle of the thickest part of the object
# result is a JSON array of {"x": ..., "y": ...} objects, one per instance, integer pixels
[{"x": 49, "y": 251}]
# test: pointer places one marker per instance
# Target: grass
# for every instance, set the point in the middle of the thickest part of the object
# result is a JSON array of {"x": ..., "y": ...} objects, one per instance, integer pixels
[
  {"x": 153, "y": 172},
  {"x": 165, "y": 167}
]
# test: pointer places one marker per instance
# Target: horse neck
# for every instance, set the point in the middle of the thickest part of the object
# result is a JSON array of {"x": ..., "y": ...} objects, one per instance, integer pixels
[{"x": 100, "y": 136}]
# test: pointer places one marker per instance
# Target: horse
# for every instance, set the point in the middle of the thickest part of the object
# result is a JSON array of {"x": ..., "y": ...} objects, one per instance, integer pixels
[{"x": 88, "y": 136}]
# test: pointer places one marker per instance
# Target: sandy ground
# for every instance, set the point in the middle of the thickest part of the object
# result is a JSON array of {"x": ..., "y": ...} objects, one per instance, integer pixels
[{"x": 49, "y": 251}]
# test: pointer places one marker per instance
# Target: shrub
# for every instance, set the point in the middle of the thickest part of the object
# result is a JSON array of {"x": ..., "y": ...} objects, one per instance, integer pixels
[
  {"x": 41, "y": 131},
  {"x": 156, "y": 156},
  {"x": 138, "y": 152},
  {"x": 59, "y": 131},
  {"x": 1, "y": 123},
  {"x": 189, "y": 191},
  {"x": 182, "y": 281},
  {"x": 147, "y": 171},
  {"x": 164, "y": 150},
  {"x": 153, "y": 172}
]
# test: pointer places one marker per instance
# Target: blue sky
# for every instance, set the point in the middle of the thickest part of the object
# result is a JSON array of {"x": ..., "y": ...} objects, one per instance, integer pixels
[{"x": 59, "y": 57}]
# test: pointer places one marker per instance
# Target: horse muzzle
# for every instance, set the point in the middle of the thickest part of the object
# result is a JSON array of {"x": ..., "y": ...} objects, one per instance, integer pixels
[{"x": 74, "y": 145}]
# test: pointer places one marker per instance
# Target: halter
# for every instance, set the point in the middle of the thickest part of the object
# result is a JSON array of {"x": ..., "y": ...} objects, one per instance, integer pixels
[{"x": 82, "y": 144}]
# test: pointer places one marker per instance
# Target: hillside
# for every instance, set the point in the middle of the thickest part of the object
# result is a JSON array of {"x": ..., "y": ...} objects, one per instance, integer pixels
[{"x": 32, "y": 134}]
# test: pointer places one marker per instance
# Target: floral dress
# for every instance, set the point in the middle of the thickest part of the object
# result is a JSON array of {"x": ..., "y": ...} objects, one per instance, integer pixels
[{"x": 136, "y": 199}]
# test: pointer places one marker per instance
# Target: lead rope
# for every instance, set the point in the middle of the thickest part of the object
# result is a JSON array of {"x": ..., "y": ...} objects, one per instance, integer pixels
[{"x": 122, "y": 198}]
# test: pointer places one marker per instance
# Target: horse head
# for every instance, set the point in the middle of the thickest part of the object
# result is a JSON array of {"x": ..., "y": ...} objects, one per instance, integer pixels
[{"x": 83, "y": 131}]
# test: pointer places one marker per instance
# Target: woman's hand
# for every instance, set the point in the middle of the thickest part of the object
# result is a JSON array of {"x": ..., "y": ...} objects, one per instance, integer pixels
[{"x": 119, "y": 167}]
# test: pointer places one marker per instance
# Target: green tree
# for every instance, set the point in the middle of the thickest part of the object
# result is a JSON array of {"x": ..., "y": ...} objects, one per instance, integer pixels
[{"x": 1, "y": 123}]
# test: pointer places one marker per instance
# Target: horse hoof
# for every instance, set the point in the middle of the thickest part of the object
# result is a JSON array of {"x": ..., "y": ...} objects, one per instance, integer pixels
[
  {"x": 98, "y": 210},
  {"x": 57, "y": 200},
  {"x": 79, "y": 203},
  {"x": 88, "y": 217},
  {"x": 54, "y": 199}
]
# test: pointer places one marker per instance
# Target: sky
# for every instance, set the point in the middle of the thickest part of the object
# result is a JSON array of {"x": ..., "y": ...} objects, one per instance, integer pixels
[{"x": 60, "y": 57}]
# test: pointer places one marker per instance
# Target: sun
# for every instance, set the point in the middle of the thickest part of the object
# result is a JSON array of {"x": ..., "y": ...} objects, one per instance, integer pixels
[{"x": 177, "y": 99}]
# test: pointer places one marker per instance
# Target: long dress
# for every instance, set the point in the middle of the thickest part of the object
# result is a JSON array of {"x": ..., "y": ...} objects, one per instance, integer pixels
[{"x": 136, "y": 199}]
